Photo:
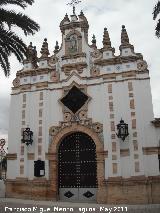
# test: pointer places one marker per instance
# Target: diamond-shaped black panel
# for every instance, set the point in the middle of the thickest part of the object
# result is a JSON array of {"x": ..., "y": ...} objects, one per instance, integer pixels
[
  {"x": 75, "y": 99},
  {"x": 88, "y": 194},
  {"x": 69, "y": 194}
]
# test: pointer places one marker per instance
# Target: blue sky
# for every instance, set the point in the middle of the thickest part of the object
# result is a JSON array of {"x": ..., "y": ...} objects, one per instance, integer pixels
[{"x": 136, "y": 15}]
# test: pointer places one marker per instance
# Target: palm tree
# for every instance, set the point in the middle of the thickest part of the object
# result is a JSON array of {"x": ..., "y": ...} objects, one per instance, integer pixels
[
  {"x": 156, "y": 12},
  {"x": 10, "y": 42}
]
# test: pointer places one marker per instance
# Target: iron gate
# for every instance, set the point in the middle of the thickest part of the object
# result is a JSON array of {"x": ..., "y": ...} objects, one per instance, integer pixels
[{"x": 77, "y": 168}]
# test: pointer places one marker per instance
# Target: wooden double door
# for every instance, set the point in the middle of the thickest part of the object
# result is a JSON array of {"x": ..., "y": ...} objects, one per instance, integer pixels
[{"x": 77, "y": 168}]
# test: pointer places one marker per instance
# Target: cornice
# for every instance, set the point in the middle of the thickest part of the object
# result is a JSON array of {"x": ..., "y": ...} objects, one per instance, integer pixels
[
  {"x": 60, "y": 88},
  {"x": 111, "y": 77},
  {"x": 33, "y": 72},
  {"x": 117, "y": 60},
  {"x": 73, "y": 56}
]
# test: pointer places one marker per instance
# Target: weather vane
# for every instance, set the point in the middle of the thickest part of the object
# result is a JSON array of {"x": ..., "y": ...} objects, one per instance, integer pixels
[{"x": 73, "y": 3}]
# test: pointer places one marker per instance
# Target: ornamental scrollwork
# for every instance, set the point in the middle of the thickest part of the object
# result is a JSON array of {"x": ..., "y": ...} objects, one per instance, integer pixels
[
  {"x": 96, "y": 127},
  {"x": 96, "y": 54},
  {"x": 54, "y": 130},
  {"x": 95, "y": 71},
  {"x": 16, "y": 82},
  {"x": 142, "y": 65}
]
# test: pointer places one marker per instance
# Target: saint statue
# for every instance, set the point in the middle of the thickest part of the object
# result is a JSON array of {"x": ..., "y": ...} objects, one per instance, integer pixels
[{"x": 73, "y": 44}]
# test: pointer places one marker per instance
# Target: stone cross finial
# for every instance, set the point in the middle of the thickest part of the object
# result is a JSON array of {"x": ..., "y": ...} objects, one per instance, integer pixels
[
  {"x": 125, "y": 40},
  {"x": 106, "y": 39},
  {"x": 56, "y": 47},
  {"x": 34, "y": 58},
  {"x": 124, "y": 36},
  {"x": 32, "y": 55},
  {"x": 73, "y": 3},
  {"x": 94, "y": 41},
  {"x": 44, "y": 49},
  {"x": 30, "y": 52}
]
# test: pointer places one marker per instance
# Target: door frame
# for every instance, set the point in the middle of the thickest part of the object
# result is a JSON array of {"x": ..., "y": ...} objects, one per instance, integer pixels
[{"x": 53, "y": 160}]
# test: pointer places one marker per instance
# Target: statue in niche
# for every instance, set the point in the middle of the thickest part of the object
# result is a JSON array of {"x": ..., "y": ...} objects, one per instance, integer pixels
[{"x": 73, "y": 44}]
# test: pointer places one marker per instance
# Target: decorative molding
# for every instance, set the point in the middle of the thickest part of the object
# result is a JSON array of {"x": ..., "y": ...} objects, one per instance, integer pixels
[
  {"x": 142, "y": 65},
  {"x": 52, "y": 60},
  {"x": 117, "y": 60},
  {"x": 67, "y": 117},
  {"x": 79, "y": 66},
  {"x": 96, "y": 54},
  {"x": 16, "y": 82},
  {"x": 82, "y": 115},
  {"x": 95, "y": 71},
  {"x": 82, "y": 88},
  {"x": 34, "y": 72},
  {"x": 105, "y": 77},
  {"x": 74, "y": 56},
  {"x": 11, "y": 156},
  {"x": 96, "y": 127},
  {"x": 108, "y": 76}
]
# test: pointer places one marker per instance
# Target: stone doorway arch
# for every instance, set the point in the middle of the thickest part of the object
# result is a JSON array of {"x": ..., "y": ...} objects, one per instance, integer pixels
[{"x": 53, "y": 160}]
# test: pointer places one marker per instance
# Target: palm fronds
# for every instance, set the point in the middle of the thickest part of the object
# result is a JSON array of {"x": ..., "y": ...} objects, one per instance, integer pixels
[
  {"x": 155, "y": 13},
  {"x": 10, "y": 42}
]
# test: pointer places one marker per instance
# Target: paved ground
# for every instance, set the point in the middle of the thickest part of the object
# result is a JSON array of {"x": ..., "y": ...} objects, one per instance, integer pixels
[{"x": 17, "y": 205}]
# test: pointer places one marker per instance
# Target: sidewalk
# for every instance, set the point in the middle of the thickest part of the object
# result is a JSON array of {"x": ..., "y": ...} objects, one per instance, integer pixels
[{"x": 17, "y": 205}]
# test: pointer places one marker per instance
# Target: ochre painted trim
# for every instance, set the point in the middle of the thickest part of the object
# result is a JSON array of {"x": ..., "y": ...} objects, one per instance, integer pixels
[
  {"x": 150, "y": 150},
  {"x": 11, "y": 156},
  {"x": 30, "y": 156},
  {"x": 124, "y": 152}
]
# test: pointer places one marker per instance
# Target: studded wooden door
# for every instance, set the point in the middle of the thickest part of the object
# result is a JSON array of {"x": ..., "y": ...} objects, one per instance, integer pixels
[{"x": 77, "y": 168}]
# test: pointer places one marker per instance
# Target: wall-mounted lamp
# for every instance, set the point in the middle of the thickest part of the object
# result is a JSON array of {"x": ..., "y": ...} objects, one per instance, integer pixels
[
  {"x": 122, "y": 130},
  {"x": 27, "y": 137}
]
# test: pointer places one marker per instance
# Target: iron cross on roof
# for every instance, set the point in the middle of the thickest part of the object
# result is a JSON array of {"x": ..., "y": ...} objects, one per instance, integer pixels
[{"x": 73, "y": 3}]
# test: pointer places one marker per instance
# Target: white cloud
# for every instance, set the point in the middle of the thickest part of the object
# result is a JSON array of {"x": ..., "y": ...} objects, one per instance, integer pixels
[{"x": 136, "y": 15}]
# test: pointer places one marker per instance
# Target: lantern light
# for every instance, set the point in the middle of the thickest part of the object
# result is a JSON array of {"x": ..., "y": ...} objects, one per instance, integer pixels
[
  {"x": 122, "y": 130},
  {"x": 27, "y": 137}
]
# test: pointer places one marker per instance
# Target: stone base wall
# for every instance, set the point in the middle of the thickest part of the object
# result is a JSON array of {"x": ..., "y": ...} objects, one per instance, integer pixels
[
  {"x": 134, "y": 190},
  {"x": 26, "y": 189}
]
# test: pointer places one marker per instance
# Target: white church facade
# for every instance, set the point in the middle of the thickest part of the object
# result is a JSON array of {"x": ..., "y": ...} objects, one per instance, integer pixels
[{"x": 81, "y": 125}]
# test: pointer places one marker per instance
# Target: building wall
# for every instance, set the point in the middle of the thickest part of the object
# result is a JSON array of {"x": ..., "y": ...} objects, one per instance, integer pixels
[{"x": 119, "y": 89}]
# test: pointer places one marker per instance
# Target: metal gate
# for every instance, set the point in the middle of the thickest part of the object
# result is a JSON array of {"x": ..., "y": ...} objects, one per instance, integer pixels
[{"x": 77, "y": 168}]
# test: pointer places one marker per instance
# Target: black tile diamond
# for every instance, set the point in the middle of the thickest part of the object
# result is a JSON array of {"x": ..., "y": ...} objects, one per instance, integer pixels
[
  {"x": 68, "y": 194},
  {"x": 75, "y": 99},
  {"x": 88, "y": 194}
]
